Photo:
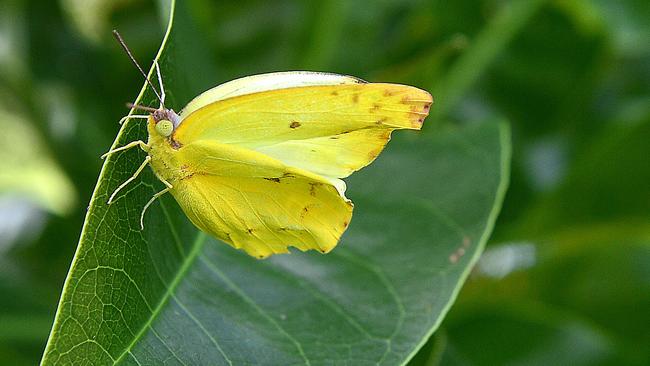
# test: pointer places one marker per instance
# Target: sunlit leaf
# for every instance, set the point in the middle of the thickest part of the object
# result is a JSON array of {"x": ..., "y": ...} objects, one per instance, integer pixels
[{"x": 28, "y": 169}]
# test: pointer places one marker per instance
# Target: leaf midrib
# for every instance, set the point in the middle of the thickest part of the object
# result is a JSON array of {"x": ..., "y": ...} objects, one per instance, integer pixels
[{"x": 197, "y": 245}]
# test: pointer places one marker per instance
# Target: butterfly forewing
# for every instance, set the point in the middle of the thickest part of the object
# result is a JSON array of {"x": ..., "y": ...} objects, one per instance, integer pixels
[{"x": 332, "y": 130}]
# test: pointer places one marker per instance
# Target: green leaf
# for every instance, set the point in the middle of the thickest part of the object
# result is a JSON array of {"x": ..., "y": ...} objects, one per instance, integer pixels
[
  {"x": 29, "y": 169},
  {"x": 524, "y": 333},
  {"x": 486, "y": 46},
  {"x": 169, "y": 294},
  {"x": 91, "y": 18},
  {"x": 567, "y": 305}
]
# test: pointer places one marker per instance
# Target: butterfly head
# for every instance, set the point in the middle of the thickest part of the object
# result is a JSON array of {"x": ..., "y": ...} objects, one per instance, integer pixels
[
  {"x": 166, "y": 121},
  {"x": 165, "y": 128}
]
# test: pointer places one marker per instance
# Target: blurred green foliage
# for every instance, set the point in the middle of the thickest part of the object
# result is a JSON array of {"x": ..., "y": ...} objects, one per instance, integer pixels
[{"x": 566, "y": 278}]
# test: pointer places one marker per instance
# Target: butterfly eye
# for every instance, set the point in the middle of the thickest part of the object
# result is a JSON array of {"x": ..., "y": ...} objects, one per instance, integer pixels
[{"x": 165, "y": 128}]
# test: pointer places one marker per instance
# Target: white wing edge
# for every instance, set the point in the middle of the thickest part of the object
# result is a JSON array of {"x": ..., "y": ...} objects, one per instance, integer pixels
[
  {"x": 339, "y": 184},
  {"x": 265, "y": 82}
]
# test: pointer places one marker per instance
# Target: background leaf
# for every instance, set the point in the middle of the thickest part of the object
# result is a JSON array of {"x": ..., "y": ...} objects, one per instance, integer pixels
[{"x": 169, "y": 293}]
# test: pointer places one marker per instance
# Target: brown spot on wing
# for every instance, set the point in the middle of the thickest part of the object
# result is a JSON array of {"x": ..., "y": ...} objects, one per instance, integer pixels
[
  {"x": 355, "y": 98},
  {"x": 375, "y": 107},
  {"x": 294, "y": 124},
  {"x": 408, "y": 100},
  {"x": 374, "y": 154},
  {"x": 334, "y": 93},
  {"x": 312, "y": 188},
  {"x": 188, "y": 176},
  {"x": 273, "y": 179}
]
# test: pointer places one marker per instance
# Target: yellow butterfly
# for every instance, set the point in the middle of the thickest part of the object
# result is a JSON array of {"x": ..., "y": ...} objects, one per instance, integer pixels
[{"x": 257, "y": 162}]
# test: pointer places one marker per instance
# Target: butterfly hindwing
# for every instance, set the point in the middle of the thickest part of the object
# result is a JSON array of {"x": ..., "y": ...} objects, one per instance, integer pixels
[{"x": 257, "y": 203}]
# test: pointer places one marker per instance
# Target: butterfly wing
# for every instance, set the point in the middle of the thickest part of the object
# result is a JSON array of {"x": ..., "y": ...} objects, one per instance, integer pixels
[
  {"x": 265, "y": 82},
  {"x": 257, "y": 203},
  {"x": 329, "y": 129}
]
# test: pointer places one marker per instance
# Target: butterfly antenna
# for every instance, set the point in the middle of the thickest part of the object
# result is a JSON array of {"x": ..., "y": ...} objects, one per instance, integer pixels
[
  {"x": 141, "y": 107},
  {"x": 128, "y": 52}
]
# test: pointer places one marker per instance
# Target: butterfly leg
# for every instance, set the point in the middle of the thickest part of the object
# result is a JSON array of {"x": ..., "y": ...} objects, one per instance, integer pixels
[
  {"x": 140, "y": 143},
  {"x": 160, "y": 83},
  {"x": 155, "y": 196},
  {"x": 139, "y": 116},
  {"x": 135, "y": 175}
]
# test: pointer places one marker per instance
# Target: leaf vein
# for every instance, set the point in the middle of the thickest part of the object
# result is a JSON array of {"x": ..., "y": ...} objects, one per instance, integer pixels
[{"x": 254, "y": 305}]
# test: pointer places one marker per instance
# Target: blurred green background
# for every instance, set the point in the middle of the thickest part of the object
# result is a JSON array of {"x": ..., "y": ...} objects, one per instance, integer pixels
[{"x": 566, "y": 276}]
